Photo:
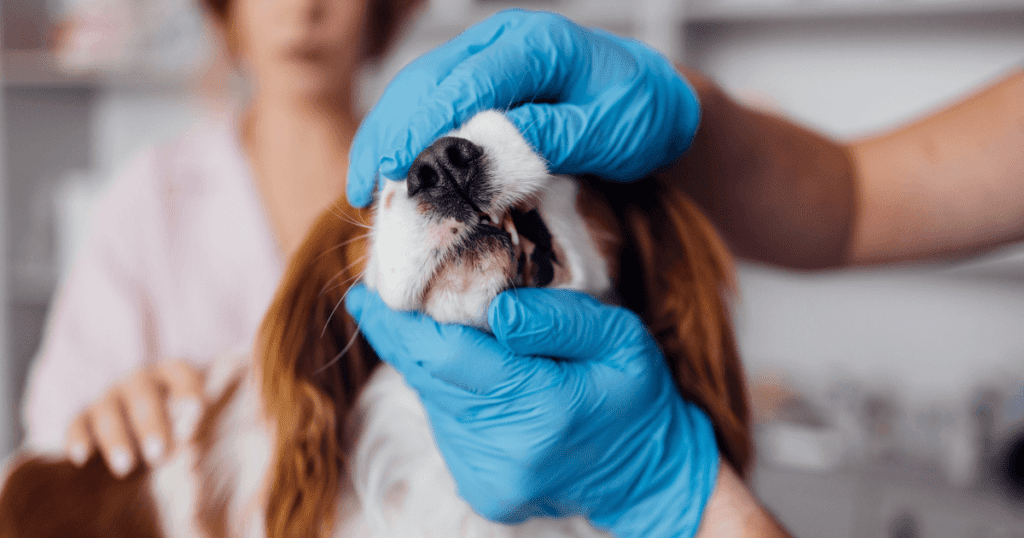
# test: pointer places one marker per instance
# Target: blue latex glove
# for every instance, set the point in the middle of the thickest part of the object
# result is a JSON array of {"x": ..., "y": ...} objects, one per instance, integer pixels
[
  {"x": 615, "y": 108},
  {"x": 601, "y": 433}
]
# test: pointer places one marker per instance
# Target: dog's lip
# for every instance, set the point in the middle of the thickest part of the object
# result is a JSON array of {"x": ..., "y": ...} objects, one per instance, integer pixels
[{"x": 502, "y": 222}]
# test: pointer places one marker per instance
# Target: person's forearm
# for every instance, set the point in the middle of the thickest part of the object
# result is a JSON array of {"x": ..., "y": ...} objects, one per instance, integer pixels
[
  {"x": 733, "y": 511},
  {"x": 949, "y": 185},
  {"x": 779, "y": 192}
]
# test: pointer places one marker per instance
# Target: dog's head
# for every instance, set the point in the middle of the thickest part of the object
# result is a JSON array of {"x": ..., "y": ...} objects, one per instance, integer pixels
[
  {"x": 480, "y": 213},
  {"x": 477, "y": 214}
]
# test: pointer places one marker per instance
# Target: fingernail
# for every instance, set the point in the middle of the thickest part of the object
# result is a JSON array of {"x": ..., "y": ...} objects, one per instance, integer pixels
[
  {"x": 78, "y": 453},
  {"x": 188, "y": 411},
  {"x": 153, "y": 449},
  {"x": 120, "y": 461}
]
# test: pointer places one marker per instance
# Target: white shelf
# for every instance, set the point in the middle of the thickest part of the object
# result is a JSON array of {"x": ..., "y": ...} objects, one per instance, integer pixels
[
  {"x": 716, "y": 11},
  {"x": 41, "y": 69},
  {"x": 454, "y": 16}
]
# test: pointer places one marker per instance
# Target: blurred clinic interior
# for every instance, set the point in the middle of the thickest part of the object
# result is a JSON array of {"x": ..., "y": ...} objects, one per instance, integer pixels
[{"x": 889, "y": 401}]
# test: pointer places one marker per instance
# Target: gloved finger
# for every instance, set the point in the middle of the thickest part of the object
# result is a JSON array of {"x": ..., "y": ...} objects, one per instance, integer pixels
[
  {"x": 510, "y": 69},
  {"x": 429, "y": 354},
  {"x": 555, "y": 131},
  {"x": 386, "y": 128},
  {"x": 566, "y": 324},
  {"x": 377, "y": 131}
]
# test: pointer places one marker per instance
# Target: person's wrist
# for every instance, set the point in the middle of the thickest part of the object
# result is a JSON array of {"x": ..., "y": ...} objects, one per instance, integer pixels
[{"x": 679, "y": 471}]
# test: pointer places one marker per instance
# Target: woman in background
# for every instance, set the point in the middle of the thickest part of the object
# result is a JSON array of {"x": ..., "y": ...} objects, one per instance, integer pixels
[{"x": 187, "y": 246}]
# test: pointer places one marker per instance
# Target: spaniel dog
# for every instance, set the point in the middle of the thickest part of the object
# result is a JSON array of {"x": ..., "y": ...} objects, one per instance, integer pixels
[{"x": 311, "y": 435}]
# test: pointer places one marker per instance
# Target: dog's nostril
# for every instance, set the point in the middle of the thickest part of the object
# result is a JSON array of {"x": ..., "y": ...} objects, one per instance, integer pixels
[
  {"x": 457, "y": 155},
  {"x": 449, "y": 160},
  {"x": 456, "y": 158},
  {"x": 422, "y": 176}
]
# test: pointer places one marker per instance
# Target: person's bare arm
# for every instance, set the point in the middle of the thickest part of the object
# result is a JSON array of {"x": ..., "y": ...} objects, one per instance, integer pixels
[
  {"x": 949, "y": 185},
  {"x": 733, "y": 511}
]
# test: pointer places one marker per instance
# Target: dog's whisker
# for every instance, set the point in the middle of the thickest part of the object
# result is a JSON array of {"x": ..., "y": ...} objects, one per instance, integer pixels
[
  {"x": 325, "y": 289},
  {"x": 336, "y": 247},
  {"x": 351, "y": 341},
  {"x": 344, "y": 217},
  {"x": 358, "y": 216},
  {"x": 333, "y": 361},
  {"x": 331, "y": 316},
  {"x": 340, "y": 214},
  {"x": 340, "y": 284},
  {"x": 350, "y": 220},
  {"x": 327, "y": 323}
]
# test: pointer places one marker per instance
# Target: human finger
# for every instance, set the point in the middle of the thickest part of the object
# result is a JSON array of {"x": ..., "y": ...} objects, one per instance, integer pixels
[
  {"x": 78, "y": 444},
  {"x": 146, "y": 409},
  {"x": 185, "y": 399},
  {"x": 111, "y": 435}
]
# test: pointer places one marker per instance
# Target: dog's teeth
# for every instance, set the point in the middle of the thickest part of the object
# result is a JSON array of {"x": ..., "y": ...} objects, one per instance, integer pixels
[{"x": 511, "y": 229}]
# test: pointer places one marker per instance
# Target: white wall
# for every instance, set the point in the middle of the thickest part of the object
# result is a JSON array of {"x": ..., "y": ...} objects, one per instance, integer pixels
[
  {"x": 128, "y": 121},
  {"x": 929, "y": 334},
  {"x": 7, "y": 382},
  {"x": 856, "y": 76}
]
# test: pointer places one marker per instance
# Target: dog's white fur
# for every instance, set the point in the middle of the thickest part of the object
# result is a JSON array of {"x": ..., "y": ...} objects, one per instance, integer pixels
[
  {"x": 409, "y": 246},
  {"x": 401, "y": 485}
]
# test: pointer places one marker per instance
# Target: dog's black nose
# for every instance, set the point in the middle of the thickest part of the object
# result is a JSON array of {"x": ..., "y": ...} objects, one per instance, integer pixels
[{"x": 449, "y": 160}]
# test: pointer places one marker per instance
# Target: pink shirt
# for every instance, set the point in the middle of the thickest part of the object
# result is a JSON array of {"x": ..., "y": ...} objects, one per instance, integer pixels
[{"x": 180, "y": 262}]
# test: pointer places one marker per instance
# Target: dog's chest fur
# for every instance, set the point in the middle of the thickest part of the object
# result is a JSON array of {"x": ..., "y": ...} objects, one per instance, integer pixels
[{"x": 399, "y": 487}]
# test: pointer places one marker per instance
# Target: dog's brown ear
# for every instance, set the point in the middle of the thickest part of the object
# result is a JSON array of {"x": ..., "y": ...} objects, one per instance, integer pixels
[
  {"x": 313, "y": 365},
  {"x": 677, "y": 273},
  {"x": 50, "y": 499}
]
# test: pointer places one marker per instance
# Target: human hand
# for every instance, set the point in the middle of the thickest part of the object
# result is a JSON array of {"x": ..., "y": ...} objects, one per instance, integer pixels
[
  {"x": 588, "y": 101},
  {"x": 134, "y": 417},
  {"x": 601, "y": 431}
]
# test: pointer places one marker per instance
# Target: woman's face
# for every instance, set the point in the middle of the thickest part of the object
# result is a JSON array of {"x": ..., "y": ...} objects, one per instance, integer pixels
[{"x": 306, "y": 48}]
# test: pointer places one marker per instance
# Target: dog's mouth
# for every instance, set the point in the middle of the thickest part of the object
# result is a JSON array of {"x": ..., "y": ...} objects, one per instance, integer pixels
[{"x": 532, "y": 247}]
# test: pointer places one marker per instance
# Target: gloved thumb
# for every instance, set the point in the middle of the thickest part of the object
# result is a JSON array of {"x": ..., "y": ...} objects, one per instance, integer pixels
[
  {"x": 564, "y": 324},
  {"x": 553, "y": 131}
]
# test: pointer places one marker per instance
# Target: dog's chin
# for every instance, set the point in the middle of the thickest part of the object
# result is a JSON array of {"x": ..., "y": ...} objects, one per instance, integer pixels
[
  {"x": 490, "y": 256},
  {"x": 462, "y": 288}
]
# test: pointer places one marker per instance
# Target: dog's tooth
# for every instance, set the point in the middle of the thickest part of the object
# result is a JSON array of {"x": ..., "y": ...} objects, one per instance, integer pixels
[{"x": 511, "y": 229}]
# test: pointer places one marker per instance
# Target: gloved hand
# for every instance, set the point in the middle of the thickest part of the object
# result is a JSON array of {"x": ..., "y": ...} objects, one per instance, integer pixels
[
  {"x": 600, "y": 432},
  {"x": 611, "y": 106}
]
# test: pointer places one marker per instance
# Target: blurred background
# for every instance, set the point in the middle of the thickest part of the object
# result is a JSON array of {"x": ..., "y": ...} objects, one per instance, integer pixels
[{"x": 889, "y": 402}]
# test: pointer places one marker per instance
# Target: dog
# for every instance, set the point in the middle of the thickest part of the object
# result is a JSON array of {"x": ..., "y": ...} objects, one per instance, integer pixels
[{"x": 311, "y": 435}]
